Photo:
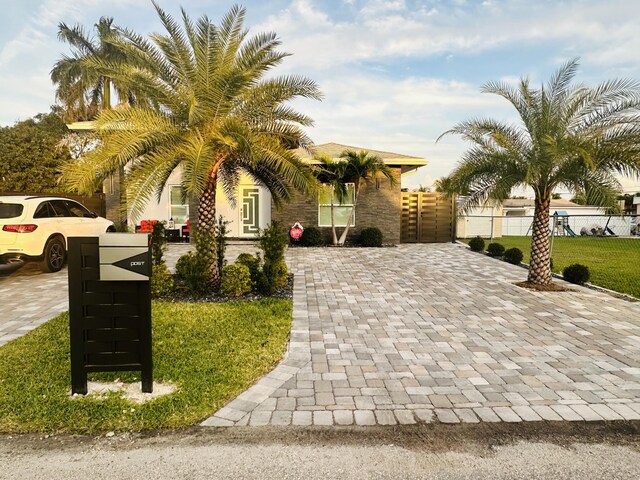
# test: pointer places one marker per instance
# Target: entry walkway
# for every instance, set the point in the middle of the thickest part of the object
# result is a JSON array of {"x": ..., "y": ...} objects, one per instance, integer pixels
[{"x": 423, "y": 333}]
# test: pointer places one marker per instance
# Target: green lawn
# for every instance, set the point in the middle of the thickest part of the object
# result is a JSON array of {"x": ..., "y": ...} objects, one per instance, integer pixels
[
  {"x": 614, "y": 263},
  {"x": 212, "y": 352}
]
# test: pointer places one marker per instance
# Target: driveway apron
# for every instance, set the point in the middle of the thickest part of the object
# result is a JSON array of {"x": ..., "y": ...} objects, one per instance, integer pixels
[{"x": 424, "y": 333}]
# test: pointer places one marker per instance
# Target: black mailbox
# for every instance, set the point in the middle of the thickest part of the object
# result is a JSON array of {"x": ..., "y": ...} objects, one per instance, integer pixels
[{"x": 110, "y": 307}]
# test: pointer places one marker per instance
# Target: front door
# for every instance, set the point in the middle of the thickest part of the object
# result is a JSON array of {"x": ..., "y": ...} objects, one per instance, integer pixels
[{"x": 250, "y": 212}]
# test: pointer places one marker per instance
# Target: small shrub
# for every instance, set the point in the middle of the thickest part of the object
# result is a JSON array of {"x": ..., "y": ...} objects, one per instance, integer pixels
[
  {"x": 311, "y": 237},
  {"x": 221, "y": 231},
  {"x": 235, "y": 280},
  {"x": 495, "y": 249},
  {"x": 158, "y": 242},
  {"x": 513, "y": 255},
  {"x": 371, "y": 237},
  {"x": 282, "y": 274},
  {"x": 161, "y": 281},
  {"x": 253, "y": 264},
  {"x": 192, "y": 269},
  {"x": 273, "y": 243},
  {"x": 476, "y": 244},
  {"x": 576, "y": 273}
]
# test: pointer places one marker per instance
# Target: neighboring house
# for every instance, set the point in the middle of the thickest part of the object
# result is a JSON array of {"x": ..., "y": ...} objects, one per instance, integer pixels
[
  {"x": 514, "y": 218},
  {"x": 379, "y": 204}
]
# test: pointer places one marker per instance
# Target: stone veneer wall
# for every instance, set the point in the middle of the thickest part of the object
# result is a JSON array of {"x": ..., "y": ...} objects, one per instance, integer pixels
[{"x": 379, "y": 205}]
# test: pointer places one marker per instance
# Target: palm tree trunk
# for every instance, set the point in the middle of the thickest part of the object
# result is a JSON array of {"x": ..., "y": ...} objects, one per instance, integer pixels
[
  {"x": 106, "y": 94},
  {"x": 539, "y": 265},
  {"x": 205, "y": 237},
  {"x": 334, "y": 236},
  {"x": 343, "y": 237}
]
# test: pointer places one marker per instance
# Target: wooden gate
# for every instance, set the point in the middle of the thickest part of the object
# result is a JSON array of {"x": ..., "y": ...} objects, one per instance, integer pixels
[{"x": 426, "y": 218}]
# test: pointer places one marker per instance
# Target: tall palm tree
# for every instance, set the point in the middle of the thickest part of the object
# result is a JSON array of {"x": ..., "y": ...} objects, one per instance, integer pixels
[
  {"x": 81, "y": 88},
  {"x": 211, "y": 112},
  {"x": 569, "y": 136},
  {"x": 361, "y": 168},
  {"x": 331, "y": 173}
]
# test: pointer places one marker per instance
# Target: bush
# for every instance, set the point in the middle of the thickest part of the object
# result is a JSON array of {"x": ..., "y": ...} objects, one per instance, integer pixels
[
  {"x": 282, "y": 274},
  {"x": 513, "y": 255},
  {"x": 235, "y": 280},
  {"x": 273, "y": 243},
  {"x": 576, "y": 273},
  {"x": 221, "y": 231},
  {"x": 312, "y": 237},
  {"x": 476, "y": 244},
  {"x": 192, "y": 269},
  {"x": 161, "y": 281},
  {"x": 158, "y": 243},
  {"x": 495, "y": 249},
  {"x": 253, "y": 264},
  {"x": 370, "y": 237}
]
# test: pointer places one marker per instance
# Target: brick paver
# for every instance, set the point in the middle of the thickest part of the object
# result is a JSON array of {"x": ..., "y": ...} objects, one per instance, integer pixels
[{"x": 423, "y": 333}]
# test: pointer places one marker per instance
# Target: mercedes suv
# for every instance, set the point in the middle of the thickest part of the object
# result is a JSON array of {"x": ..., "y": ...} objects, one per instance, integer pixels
[{"x": 37, "y": 228}]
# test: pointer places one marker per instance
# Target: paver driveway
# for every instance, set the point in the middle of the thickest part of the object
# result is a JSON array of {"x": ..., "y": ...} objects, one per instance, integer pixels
[{"x": 435, "y": 332}]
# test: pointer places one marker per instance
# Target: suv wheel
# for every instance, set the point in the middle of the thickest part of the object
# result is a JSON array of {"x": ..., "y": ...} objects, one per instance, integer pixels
[{"x": 53, "y": 256}]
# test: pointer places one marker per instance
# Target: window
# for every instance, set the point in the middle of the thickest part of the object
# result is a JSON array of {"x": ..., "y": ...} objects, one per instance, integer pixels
[
  {"x": 10, "y": 210},
  {"x": 78, "y": 210},
  {"x": 59, "y": 209},
  {"x": 43, "y": 211},
  {"x": 178, "y": 207},
  {"x": 341, "y": 210}
]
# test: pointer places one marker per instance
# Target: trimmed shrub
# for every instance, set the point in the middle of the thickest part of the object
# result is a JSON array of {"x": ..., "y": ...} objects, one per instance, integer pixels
[
  {"x": 312, "y": 237},
  {"x": 235, "y": 280},
  {"x": 495, "y": 249},
  {"x": 161, "y": 281},
  {"x": 220, "y": 236},
  {"x": 282, "y": 274},
  {"x": 273, "y": 243},
  {"x": 192, "y": 269},
  {"x": 476, "y": 244},
  {"x": 370, "y": 237},
  {"x": 253, "y": 264},
  {"x": 513, "y": 256},
  {"x": 158, "y": 242},
  {"x": 576, "y": 273}
]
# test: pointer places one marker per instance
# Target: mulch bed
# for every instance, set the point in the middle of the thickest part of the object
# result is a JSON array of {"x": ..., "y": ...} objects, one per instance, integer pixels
[{"x": 552, "y": 287}]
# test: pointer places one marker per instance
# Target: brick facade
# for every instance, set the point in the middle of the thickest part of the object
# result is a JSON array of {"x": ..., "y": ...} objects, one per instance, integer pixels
[{"x": 379, "y": 205}]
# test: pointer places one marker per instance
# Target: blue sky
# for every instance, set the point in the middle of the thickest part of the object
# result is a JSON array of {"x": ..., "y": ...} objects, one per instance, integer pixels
[{"x": 395, "y": 73}]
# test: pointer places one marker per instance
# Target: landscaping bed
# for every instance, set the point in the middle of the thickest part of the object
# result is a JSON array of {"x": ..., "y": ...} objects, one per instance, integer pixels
[
  {"x": 612, "y": 262},
  {"x": 210, "y": 351}
]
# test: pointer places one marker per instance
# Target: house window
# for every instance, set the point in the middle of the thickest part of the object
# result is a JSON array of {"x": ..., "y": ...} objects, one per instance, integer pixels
[
  {"x": 341, "y": 210},
  {"x": 178, "y": 209}
]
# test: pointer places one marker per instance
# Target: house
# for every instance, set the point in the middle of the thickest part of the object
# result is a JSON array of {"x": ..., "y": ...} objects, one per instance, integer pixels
[
  {"x": 514, "y": 217},
  {"x": 379, "y": 203}
]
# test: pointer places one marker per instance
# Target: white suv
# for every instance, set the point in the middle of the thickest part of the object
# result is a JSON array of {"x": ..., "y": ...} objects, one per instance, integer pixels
[{"x": 36, "y": 228}]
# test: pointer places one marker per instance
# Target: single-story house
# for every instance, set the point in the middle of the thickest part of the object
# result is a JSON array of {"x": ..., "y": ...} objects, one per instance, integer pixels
[{"x": 379, "y": 203}]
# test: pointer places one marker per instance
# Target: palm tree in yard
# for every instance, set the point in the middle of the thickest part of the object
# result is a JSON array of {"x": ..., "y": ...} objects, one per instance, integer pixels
[
  {"x": 331, "y": 174},
  {"x": 81, "y": 88},
  {"x": 211, "y": 112},
  {"x": 361, "y": 168},
  {"x": 568, "y": 136}
]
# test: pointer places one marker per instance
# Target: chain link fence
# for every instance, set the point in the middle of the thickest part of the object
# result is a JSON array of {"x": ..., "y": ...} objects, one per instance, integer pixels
[{"x": 608, "y": 244}]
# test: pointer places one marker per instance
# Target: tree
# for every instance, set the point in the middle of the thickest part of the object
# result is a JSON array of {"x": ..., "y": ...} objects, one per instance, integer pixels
[
  {"x": 211, "y": 112},
  {"x": 82, "y": 88},
  {"x": 361, "y": 168},
  {"x": 30, "y": 160},
  {"x": 569, "y": 136},
  {"x": 331, "y": 174}
]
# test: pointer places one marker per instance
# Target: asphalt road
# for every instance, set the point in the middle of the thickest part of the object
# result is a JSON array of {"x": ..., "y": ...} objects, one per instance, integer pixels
[{"x": 428, "y": 452}]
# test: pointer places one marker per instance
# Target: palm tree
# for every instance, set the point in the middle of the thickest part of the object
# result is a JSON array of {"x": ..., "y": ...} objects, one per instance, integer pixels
[
  {"x": 361, "y": 168},
  {"x": 568, "y": 136},
  {"x": 211, "y": 113},
  {"x": 81, "y": 88},
  {"x": 331, "y": 174}
]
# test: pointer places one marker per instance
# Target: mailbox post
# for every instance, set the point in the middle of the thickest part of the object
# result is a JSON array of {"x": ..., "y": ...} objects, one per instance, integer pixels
[{"x": 110, "y": 306}]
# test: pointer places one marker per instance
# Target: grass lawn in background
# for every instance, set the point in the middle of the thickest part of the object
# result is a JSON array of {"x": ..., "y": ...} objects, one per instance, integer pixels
[
  {"x": 614, "y": 263},
  {"x": 211, "y": 352}
]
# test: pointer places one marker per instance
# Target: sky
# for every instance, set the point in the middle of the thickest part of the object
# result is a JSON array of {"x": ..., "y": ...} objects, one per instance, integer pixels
[{"x": 395, "y": 74}]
